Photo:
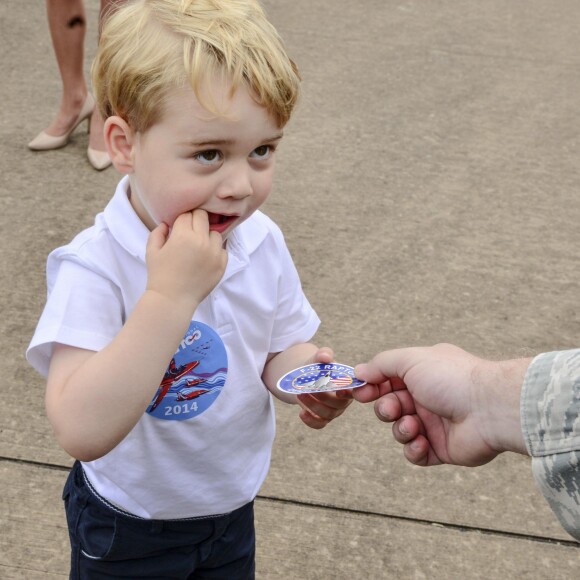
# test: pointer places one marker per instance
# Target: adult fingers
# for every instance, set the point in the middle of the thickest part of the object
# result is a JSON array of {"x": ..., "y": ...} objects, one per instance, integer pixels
[
  {"x": 417, "y": 451},
  {"x": 388, "y": 364},
  {"x": 371, "y": 392},
  {"x": 407, "y": 428},
  {"x": 392, "y": 406}
]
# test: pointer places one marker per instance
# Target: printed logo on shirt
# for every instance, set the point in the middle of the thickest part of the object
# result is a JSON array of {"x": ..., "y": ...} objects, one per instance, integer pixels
[{"x": 194, "y": 378}]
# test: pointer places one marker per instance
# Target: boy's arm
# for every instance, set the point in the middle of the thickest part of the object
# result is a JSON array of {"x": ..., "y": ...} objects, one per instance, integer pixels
[
  {"x": 94, "y": 399},
  {"x": 317, "y": 410}
]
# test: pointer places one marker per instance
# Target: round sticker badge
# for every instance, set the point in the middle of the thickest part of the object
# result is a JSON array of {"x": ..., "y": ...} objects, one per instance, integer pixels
[
  {"x": 194, "y": 378},
  {"x": 318, "y": 378}
]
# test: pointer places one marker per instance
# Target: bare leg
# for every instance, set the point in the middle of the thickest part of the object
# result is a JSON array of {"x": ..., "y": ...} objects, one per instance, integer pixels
[
  {"x": 96, "y": 138},
  {"x": 67, "y": 24}
]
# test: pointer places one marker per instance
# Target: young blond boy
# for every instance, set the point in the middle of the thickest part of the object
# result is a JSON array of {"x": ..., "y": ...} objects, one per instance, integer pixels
[{"x": 165, "y": 319}]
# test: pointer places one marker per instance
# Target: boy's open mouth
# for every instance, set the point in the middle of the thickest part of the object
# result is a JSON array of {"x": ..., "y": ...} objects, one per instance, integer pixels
[{"x": 219, "y": 222}]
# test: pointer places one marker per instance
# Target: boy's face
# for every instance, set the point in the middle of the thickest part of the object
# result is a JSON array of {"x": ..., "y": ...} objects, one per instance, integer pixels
[{"x": 192, "y": 159}]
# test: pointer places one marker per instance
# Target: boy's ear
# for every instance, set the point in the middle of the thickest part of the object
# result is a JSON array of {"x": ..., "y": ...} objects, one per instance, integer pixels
[{"x": 120, "y": 138}]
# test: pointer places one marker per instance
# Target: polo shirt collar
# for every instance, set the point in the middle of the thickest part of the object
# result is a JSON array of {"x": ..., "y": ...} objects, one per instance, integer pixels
[{"x": 124, "y": 224}]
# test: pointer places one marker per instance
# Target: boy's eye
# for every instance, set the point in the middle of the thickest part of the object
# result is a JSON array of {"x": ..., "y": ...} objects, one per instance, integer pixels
[
  {"x": 208, "y": 157},
  {"x": 262, "y": 152}
]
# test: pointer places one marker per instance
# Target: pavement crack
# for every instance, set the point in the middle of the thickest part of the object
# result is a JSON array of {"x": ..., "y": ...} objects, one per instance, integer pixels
[
  {"x": 357, "y": 512},
  {"x": 423, "y": 522}
]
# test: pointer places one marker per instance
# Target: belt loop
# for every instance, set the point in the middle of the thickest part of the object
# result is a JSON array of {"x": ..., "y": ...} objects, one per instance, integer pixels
[{"x": 156, "y": 526}]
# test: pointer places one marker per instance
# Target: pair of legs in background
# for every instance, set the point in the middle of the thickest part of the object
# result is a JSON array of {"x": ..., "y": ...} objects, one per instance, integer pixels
[{"x": 67, "y": 24}]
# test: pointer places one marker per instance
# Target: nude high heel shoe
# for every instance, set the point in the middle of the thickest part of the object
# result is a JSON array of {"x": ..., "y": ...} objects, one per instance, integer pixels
[
  {"x": 98, "y": 159},
  {"x": 43, "y": 141}
]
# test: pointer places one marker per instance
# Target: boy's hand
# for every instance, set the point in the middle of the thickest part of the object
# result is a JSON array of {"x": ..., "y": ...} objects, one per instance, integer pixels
[
  {"x": 187, "y": 263},
  {"x": 319, "y": 409}
]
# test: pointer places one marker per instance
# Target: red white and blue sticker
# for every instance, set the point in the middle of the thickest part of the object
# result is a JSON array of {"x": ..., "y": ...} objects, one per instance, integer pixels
[
  {"x": 318, "y": 378},
  {"x": 194, "y": 378}
]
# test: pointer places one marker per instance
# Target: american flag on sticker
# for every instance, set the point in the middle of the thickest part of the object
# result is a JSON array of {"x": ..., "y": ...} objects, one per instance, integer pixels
[{"x": 342, "y": 381}]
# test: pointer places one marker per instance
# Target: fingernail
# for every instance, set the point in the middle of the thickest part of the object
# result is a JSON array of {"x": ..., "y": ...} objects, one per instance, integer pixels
[
  {"x": 382, "y": 412},
  {"x": 403, "y": 429}
]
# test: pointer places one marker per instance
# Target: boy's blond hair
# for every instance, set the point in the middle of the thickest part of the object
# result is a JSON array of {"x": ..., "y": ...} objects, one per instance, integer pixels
[{"x": 148, "y": 48}]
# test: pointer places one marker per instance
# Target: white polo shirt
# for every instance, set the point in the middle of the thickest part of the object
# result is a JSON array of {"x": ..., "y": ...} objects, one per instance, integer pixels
[{"x": 206, "y": 448}]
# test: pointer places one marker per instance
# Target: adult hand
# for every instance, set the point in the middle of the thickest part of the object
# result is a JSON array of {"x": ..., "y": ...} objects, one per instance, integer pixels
[{"x": 447, "y": 405}]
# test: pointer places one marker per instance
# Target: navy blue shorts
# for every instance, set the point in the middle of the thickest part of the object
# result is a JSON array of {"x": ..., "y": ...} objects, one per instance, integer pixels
[{"x": 109, "y": 543}]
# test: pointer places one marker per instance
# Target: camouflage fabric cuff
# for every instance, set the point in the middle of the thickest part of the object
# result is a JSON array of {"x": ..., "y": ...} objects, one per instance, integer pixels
[
  {"x": 550, "y": 403},
  {"x": 550, "y": 413}
]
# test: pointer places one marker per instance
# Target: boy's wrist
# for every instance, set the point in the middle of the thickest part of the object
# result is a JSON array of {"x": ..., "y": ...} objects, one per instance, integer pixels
[{"x": 170, "y": 305}]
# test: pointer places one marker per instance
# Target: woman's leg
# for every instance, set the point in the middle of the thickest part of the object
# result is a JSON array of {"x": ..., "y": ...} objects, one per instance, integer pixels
[
  {"x": 97, "y": 150},
  {"x": 67, "y": 24}
]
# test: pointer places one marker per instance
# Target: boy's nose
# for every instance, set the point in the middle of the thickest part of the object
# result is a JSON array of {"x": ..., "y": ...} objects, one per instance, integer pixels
[{"x": 237, "y": 184}]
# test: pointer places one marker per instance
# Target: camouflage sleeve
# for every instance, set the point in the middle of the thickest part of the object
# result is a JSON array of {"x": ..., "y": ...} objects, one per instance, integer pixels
[{"x": 550, "y": 413}]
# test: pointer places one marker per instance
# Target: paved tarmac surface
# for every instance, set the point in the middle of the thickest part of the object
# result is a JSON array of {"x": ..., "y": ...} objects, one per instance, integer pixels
[{"x": 427, "y": 187}]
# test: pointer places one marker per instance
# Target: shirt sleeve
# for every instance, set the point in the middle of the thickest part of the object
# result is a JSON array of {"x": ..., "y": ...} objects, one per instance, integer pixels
[
  {"x": 83, "y": 310},
  {"x": 295, "y": 321},
  {"x": 550, "y": 413}
]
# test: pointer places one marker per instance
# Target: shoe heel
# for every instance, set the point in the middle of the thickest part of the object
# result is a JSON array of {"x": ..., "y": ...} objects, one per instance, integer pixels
[{"x": 43, "y": 141}]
